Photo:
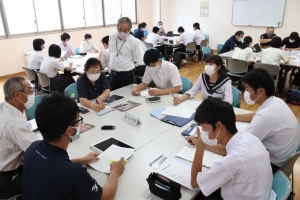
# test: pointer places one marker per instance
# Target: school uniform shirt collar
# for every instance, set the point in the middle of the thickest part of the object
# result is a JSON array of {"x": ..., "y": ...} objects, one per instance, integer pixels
[
  {"x": 231, "y": 143},
  {"x": 51, "y": 150},
  {"x": 266, "y": 103}
]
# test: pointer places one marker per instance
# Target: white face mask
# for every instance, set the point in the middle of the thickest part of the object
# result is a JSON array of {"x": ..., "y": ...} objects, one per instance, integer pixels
[
  {"x": 159, "y": 26},
  {"x": 76, "y": 135},
  {"x": 247, "y": 98},
  {"x": 93, "y": 77},
  {"x": 122, "y": 35},
  {"x": 291, "y": 41},
  {"x": 205, "y": 138},
  {"x": 209, "y": 70},
  {"x": 30, "y": 100}
]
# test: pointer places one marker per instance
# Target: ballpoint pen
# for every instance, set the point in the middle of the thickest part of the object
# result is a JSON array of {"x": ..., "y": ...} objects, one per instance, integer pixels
[{"x": 150, "y": 164}]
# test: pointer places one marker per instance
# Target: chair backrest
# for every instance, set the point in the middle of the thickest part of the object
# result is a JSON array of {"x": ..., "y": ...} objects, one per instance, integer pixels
[
  {"x": 236, "y": 100},
  {"x": 203, "y": 43},
  {"x": 273, "y": 70},
  {"x": 219, "y": 48},
  {"x": 287, "y": 167},
  {"x": 236, "y": 66},
  {"x": 71, "y": 91},
  {"x": 281, "y": 185},
  {"x": 30, "y": 112},
  {"x": 206, "y": 50},
  {"x": 148, "y": 45},
  {"x": 44, "y": 80},
  {"x": 206, "y": 36},
  {"x": 29, "y": 73},
  {"x": 191, "y": 46},
  {"x": 186, "y": 84},
  {"x": 77, "y": 50}
]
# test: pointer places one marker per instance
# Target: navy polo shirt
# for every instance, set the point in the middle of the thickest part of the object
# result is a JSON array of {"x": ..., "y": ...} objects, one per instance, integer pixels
[
  {"x": 85, "y": 89},
  {"x": 288, "y": 44},
  {"x": 265, "y": 36},
  {"x": 138, "y": 34},
  {"x": 50, "y": 174},
  {"x": 230, "y": 44}
]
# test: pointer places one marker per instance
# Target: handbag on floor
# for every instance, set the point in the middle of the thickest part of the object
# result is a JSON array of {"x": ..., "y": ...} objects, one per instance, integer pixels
[{"x": 293, "y": 97}]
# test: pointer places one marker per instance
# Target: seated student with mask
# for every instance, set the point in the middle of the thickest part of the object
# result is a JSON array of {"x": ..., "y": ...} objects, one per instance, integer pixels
[
  {"x": 233, "y": 42},
  {"x": 153, "y": 38},
  {"x": 292, "y": 42},
  {"x": 139, "y": 33},
  {"x": 274, "y": 123},
  {"x": 93, "y": 85},
  {"x": 273, "y": 55},
  {"x": 244, "y": 52},
  {"x": 88, "y": 46},
  {"x": 66, "y": 45},
  {"x": 266, "y": 38},
  {"x": 198, "y": 35},
  {"x": 165, "y": 75},
  {"x": 184, "y": 39},
  {"x": 213, "y": 83},
  {"x": 48, "y": 171},
  {"x": 244, "y": 173},
  {"x": 104, "y": 55},
  {"x": 37, "y": 57},
  {"x": 162, "y": 31}
]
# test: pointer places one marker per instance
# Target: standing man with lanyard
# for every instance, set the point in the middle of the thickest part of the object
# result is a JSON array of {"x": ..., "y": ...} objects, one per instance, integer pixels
[{"x": 124, "y": 54}]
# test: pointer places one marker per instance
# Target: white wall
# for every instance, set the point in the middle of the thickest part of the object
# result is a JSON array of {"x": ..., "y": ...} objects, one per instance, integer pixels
[
  {"x": 218, "y": 25},
  {"x": 12, "y": 50}
]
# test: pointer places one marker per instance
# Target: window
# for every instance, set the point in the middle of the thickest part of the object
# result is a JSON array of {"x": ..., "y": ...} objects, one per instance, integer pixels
[
  {"x": 1, "y": 26},
  {"x": 47, "y": 15},
  {"x": 93, "y": 13},
  {"x": 112, "y": 11},
  {"x": 72, "y": 13},
  {"x": 20, "y": 16},
  {"x": 128, "y": 9}
]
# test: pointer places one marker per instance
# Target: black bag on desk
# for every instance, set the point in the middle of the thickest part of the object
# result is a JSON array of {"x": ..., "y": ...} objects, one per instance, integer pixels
[
  {"x": 164, "y": 187},
  {"x": 293, "y": 97}
]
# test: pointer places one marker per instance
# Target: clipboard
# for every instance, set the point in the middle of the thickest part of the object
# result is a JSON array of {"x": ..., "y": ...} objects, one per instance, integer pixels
[
  {"x": 188, "y": 131},
  {"x": 177, "y": 121}
]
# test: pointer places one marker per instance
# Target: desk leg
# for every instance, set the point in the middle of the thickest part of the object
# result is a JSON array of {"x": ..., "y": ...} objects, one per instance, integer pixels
[{"x": 165, "y": 50}]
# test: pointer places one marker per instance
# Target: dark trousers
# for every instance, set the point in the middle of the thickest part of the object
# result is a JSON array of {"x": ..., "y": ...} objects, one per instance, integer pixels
[
  {"x": 11, "y": 183},
  {"x": 139, "y": 73},
  {"x": 161, "y": 50},
  {"x": 216, "y": 195},
  {"x": 181, "y": 49},
  {"x": 275, "y": 168},
  {"x": 121, "y": 79}
]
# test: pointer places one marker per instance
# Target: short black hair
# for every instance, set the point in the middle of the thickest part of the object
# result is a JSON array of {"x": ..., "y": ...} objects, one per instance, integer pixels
[
  {"x": 219, "y": 62},
  {"x": 54, "y": 114},
  {"x": 196, "y": 25},
  {"x": 246, "y": 42},
  {"x": 212, "y": 110},
  {"x": 239, "y": 33},
  {"x": 54, "y": 51},
  {"x": 142, "y": 25},
  {"x": 180, "y": 29},
  {"x": 37, "y": 43},
  {"x": 260, "y": 78},
  {"x": 276, "y": 42},
  {"x": 87, "y": 36},
  {"x": 294, "y": 36},
  {"x": 105, "y": 39},
  {"x": 91, "y": 62},
  {"x": 65, "y": 36},
  {"x": 151, "y": 56},
  {"x": 155, "y": 29},
  {"x": 270, "y": 27}
]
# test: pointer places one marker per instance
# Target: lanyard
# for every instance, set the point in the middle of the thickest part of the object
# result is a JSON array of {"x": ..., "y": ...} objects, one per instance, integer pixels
[{"x": 118, "y": 51}]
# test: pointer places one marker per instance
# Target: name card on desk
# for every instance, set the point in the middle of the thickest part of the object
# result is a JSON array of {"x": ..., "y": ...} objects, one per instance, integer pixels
[{"x": 130, "y": 119}]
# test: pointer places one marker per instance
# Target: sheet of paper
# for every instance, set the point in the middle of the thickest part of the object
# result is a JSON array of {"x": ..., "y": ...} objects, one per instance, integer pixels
[
  {"x": 241, "y": 126},
  {"x": 114, "y": 152},
  {"x": 145, "y": 93},
  {"x": 62, "y": 53},
  {"x": 157, "y": 113},
  {"x": 178, "y": 112}
]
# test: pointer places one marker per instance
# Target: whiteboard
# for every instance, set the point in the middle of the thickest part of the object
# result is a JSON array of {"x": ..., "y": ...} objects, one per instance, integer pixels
[{"x": 258, "y": 12}]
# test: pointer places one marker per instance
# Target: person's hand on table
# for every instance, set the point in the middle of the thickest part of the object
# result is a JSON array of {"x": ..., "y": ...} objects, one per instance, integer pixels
[
  {"x": 192, "y": 140},
  {"x": 117, "y": 167},
  {"x": 288, "y": 49},
  {"x": 154, "y": 92},
  {"x": 176, "y": 100},
  {"x": 100, "y": 102},
  {"x": 96, "y": 107},
  {"x": 135, "y": 91},
  {"x": 91, "y": 157}
]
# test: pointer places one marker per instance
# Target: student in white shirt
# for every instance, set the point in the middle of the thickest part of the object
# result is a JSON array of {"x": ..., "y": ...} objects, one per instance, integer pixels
[
  {"x": 154, "y": 37},
  {"x": 244, "y": 173},
  {"x": 124, "y": 51},
  {"x": 65, "y": 45},
  {"x": 213, "y": 83},
  {"x": 244, "y": 52},
  {"x": 162, "y": 31},
  {"x": 274, "y": 123},
  {"x": 104, "y": 55},
  {"x": 165, "y": 75},
  {"x": 273, "y": 55},
  {"x": 88, "y": 46},
  {"x": 36, "y": 56},
  {"x": 50, "y": 66},
  {"x": 184, "y": 39},
  {"x": 198, "y": 35}
]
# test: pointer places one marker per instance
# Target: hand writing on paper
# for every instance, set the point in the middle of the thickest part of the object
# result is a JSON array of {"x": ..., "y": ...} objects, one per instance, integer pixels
[
  {"x": 97, "y": 107},
  {"x": 117, "y": 167},
  {"x": 154, "y": 92},
  {"x": 176, "y": 100},
  {"x": 135, "y": 91},
  {"x": 192, "y": 140},
  {"x": 91, "y": 157}
]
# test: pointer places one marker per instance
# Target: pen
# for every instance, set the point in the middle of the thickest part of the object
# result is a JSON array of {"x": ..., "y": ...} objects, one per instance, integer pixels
[
  {"x": 166, "y": 167},
  {"x": 113, "y": 161},
  {"x": 150, "y": 164}
]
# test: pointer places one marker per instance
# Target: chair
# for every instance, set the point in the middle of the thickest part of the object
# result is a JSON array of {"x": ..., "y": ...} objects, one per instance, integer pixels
[
  {"x": 30, "y": 112},
  {"x": 186, "y": 84},
  {"x": 206, "y": 36},
  {"x": 13, "y": 198},
  {"x": 206, "y": 51},
  {"x": 281, "y": 185},
  {"x": 44, "y": 81},
  {"x": 236, "y": 67},
  {"x": 236, "y": 100},
  {"x": 219, "y": 48},
  {"x": 77, "y": 51},
  {"x": 288, "y": 166},
  {"x": 148, "y": 45},
  {"x": 71, "y": 91},
  {"x": 31, "y": 76},
  {"x": 273, "y": 70},
  {"x": 190, "y": 49}
]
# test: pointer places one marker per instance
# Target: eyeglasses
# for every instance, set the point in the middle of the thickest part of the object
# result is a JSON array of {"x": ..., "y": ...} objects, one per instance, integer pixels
[{"x": 80, "y": 120}]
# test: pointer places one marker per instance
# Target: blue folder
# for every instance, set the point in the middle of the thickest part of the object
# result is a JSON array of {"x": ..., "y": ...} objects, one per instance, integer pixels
[{"x": 188, "y": 131}]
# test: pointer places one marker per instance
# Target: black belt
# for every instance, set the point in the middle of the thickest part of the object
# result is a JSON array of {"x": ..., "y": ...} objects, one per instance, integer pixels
[{"x": 122, "y": 72}]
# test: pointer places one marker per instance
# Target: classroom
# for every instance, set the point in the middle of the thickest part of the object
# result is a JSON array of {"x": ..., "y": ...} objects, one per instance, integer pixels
[{"x": 149, "y": 100}]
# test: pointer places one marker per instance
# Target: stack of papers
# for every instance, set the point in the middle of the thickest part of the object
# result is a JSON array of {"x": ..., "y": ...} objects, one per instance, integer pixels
[
  {"x": 113, "y": 153},
  {"x": 145, "y": 93},
  {"x": 178, "y": 112}
]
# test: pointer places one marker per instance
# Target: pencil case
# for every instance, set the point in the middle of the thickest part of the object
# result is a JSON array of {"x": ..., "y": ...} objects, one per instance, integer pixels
[
  {"x": 163, "y": 187},
  {"x": 106, "y": 110}
]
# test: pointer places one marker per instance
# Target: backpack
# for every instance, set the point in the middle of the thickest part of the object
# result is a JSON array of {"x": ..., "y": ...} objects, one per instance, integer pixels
[
  {"x": 176, "y": 58},
  {"x": 293, "y": 97}
]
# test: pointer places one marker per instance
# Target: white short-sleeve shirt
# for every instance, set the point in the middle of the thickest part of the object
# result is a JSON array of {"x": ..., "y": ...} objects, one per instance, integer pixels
[
  {"x": 273, "y": 56},
  {"x": 277, "y": 127},
  {"x": 153, "y": 39},
  {"x": 68, "y": 48},
  {"x": 243, "y": 174},
  {"x": 105, "y": 58},
  {"x": 87, "y": 46},
  {"x": 36, "y": 59},
  {"x": 142, "y": 50},
  {"x": 185, "y": 38},
  {"x": 243, "y": 54},
  {"x": 198, "y": 36},
  {"x": 50, "y": 66},
  {"x": 165, "y": 76}
]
